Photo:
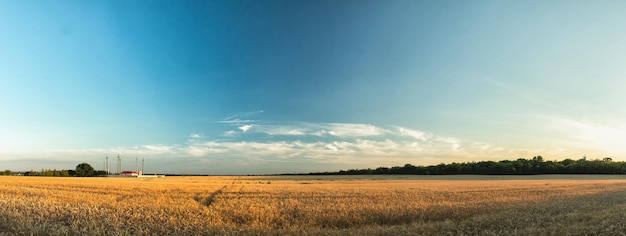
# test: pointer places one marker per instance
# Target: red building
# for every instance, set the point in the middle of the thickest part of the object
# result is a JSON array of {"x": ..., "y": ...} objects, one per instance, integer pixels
[{"x": 130, "y": 173}]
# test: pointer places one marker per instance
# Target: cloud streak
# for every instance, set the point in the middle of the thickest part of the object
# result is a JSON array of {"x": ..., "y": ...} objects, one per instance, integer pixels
[
  {"x": 238, "y": 118},
  {"x": 302, "y": 147},
  {"x": 267, "y": 148},
  {"x": 341, "y": 130}
]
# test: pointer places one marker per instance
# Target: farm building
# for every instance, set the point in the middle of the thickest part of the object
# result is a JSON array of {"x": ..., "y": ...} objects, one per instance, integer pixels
[{"x": 129, "y": 173}]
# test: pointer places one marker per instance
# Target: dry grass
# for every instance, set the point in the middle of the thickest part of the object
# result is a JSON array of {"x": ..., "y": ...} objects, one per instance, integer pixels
[{"x": 313, "y": 205}]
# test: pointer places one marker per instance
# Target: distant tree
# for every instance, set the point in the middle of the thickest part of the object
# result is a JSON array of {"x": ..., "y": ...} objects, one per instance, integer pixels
[
  {"x": 84, "y": 170},
  {"x": 521, "y": 166},
  {"x": 567, "y": 162},
  {"x": 381, "y": 171},
  {"x": 8, "y": 172}
]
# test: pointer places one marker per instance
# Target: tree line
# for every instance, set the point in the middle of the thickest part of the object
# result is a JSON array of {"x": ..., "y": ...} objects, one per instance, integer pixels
[
  {"x": 82, "y": 170},
  {"x": 521, "y": 166}
]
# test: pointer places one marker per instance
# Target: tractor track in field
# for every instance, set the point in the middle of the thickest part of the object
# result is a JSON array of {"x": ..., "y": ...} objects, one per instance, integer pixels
[{"x": 207, "y": 201}]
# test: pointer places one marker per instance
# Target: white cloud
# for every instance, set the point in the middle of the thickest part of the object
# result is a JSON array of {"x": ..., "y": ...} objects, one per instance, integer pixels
[
  {"x": 454, "y": 143},
  {"x": 297, "y": 147},
  {"x": 230, "y": 133},
  {"x": 342, "y": 130},
  {"x": 455, "y": 146},
  {"x": 332, "y": 147},
  {"x": 237, "y": 117},
  {"x": 340, "y": 143},
  {"x": 236, "y": 121},
  {"x": 287, "y": 130},
  {"x": 156, "y": 149},
  {"x": 204, "y": 149},
  {"x": 320, "y": 133},
  {"x": 412, "y": 133},
  {"x": 245, "y": 128},
  {"x": 244, "y": 157},
  {"x": 352, "y": 130}
]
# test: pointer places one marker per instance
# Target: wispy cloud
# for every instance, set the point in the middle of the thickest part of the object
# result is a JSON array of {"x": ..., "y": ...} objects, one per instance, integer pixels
[
  {"x": 245, "y": 128},
  {"x": 606, "y": 137},
  {"x": 343, "y": 130},
  {"x": 302, "y": 147},
  {"x": 280, "y": 130},
  {"x": 230, "y": 133},
  {"x": 239, "y": 117},
  {"x": 352, "y": 130},
  {"x": 417, "y": 134},
  {"x": 236, "y": 121}
]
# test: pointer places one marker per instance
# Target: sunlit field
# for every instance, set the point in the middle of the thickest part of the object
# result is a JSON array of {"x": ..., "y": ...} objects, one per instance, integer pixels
[{"x": 300, "y": 205}]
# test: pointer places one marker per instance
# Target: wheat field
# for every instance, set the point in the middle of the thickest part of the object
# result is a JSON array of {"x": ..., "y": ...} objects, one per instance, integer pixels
[{"x": 310, "y": 205}]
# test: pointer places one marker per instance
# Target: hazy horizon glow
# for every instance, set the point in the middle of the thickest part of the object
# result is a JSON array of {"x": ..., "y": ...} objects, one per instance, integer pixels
[{"x": 247, "y": 87}]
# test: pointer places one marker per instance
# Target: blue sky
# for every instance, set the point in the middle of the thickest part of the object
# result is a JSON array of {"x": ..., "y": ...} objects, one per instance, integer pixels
[{"x": 254, "y": 87}]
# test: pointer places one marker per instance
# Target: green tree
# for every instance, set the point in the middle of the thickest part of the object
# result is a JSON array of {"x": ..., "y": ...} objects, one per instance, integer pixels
[{"x": 84, "y": 170}]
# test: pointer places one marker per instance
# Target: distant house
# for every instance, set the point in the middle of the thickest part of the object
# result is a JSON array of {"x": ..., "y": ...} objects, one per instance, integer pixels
[{"x": 129, "y": 173}]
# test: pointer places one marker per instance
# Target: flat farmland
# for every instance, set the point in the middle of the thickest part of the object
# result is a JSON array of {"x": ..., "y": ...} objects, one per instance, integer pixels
[{"x": 314, "y": 205}]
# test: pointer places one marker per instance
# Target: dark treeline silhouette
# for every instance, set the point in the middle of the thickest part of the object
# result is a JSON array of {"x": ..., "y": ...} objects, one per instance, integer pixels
[
  {"x": 48, "y": 172},
  {"x": 82, "y": 170},
  {"x": 62, "y": 173},
  {"x": 536, "y": 165}
]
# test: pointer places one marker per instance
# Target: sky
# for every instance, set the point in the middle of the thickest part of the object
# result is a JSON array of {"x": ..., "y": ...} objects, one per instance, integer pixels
[{"x": 262, "y": 87}]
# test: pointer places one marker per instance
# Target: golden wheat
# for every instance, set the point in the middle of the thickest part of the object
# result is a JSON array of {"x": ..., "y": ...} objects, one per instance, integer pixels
[{"x": 311, "y": 205}]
